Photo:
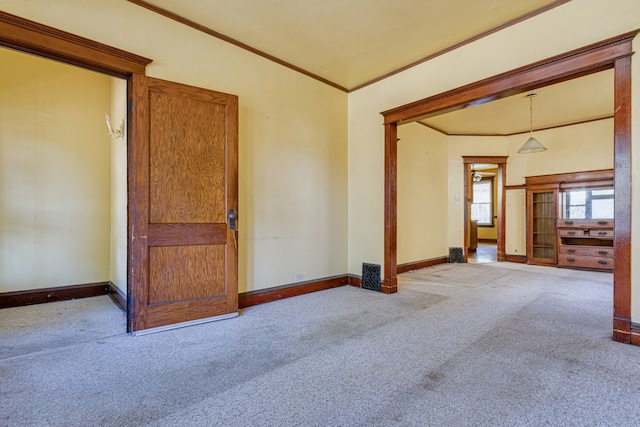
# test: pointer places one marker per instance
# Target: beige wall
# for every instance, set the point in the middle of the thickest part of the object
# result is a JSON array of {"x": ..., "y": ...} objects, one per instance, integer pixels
[
  {"x": 293, "y": 135},
  {"x": 54, "y": 174},
  {"x": 459, "y": 146},
  {"x": 118, "y": 235},
  {"x": 422, "y": 194}
]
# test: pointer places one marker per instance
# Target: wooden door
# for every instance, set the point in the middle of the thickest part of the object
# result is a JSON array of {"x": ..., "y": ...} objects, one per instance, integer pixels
[{"x": 183, "y": 182}]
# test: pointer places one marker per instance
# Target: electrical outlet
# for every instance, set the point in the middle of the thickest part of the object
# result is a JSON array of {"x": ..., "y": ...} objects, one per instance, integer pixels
[{"x": 299, "y": 277}]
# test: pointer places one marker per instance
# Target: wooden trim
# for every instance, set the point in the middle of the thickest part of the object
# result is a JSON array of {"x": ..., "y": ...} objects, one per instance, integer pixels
[
  {"x": 515, "y": 187},
  {"x": 354, "y": 280},
  {"x": 29, "y": 36},
  {"x": 635, "y": 333},
  {"x": 621, "y": 327},
  {"x": 520, "y": 259},
  {"x": 465, "y": 42},
  {"x": 58, "y": 293},
  {"x": 622, "y": 190},
  {"x": 389, "y": 283},
  {"x": 604, "y": 175},
  {"x": 248, "y": 299},
  {"x": 209, "y": 31},
  {"x": 577, "y": 63},
  {"x": 416, "y": 265},
  {"x": 611, "y": 53},
  {"x": 117, "y": 296},
  {"x": 468, "y": 160},
  {"x": 137, "y": 174}
]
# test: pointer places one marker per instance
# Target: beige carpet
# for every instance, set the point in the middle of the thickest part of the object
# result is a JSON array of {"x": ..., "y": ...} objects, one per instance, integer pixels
[{"x": 464, "y": 344}]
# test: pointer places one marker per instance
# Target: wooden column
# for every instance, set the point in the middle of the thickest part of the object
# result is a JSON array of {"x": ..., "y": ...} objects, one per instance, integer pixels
[{"x": 390, "y": 282}]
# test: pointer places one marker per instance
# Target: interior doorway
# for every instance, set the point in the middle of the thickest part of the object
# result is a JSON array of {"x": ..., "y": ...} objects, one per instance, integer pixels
[
  {"x": 614, "y": 53},
  {"x": 483, "y": 193},
  {"x": 63, "y": 212},
  {"x": 484, "y": 208}
]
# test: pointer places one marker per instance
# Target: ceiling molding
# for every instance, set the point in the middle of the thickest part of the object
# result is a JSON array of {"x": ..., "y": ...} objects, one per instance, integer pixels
[
  {"x": 465, "y": 42},
  {"x": 209, "y": 31},
  {"x": 213, "y": 33},
  {"x": 580, "y": 122}
]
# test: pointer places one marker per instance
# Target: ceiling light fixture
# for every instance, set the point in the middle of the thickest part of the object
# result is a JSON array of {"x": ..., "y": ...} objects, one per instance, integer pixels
[
  {"x": 476, "y": 176},
  {"x": 531, "y": 145}
]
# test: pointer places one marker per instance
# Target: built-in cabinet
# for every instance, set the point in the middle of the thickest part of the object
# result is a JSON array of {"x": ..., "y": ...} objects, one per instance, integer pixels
[
  {"x": 586, "y": 243},
  {"x": 541, "y": 220},
  {"x": 570, "y": 220}
]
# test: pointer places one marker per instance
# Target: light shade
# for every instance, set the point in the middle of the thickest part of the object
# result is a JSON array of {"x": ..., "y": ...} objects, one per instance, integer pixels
[{"x": 531, "y": 146}]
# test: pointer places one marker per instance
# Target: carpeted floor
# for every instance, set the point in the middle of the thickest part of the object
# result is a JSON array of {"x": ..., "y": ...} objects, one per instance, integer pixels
[{"x": 460, "y": 344}]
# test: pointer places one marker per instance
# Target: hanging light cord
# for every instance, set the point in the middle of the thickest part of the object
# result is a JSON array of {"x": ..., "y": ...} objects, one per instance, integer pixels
[{"x": 531, "y": 114}]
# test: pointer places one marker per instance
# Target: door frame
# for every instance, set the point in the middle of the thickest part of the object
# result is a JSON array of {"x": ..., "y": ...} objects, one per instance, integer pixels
[
  {"x": 501, "y": 162},
  {"x": 31, "y": 37},
  {"x": 614, "y": 53}
]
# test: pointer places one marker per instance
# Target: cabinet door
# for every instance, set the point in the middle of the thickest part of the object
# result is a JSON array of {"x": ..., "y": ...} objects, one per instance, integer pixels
[{"x": 541, "y": 227}]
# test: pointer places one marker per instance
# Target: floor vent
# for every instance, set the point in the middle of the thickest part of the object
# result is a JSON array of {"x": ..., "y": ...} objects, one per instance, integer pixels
[
  {"x": 371, "y": 276},
  {"x": 456, "y": 255}
]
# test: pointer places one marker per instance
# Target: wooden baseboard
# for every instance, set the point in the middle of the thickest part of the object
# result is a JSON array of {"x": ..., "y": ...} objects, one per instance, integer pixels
[
  {"x": 118, "y": 297},
  {"x": 62, "y": 293},
  {"x": 622, "y": 330},
  {"x": 248, "y": 299},
  {"x": 520, "y": 259},
  {"x": 635, "y": 333},
  {"x": 354, "y": 280},
  {"x": 403, "y": 268}
]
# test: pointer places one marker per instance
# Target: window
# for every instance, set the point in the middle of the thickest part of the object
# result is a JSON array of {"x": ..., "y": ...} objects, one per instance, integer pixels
[
  {"x": 482, "y": 203},
  {"x": 589, "y": 204}
]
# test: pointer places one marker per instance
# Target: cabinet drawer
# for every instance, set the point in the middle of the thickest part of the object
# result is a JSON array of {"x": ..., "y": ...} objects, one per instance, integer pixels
[
  {"x": 585, "y": 223},
  {"x": 566, "y": 260},
  {"x": 573, "y": 232},
  {"x": 594, "y": 251},
  {"x": 601, "y": 233}
]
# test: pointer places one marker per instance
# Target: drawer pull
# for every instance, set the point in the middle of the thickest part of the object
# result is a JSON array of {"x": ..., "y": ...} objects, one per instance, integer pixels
[
  {"x": 571, "y": 251},
  {"x": 571, "y": 259},
  {"x": 602, "y": 233},
  {"x": 603, "y": 262},
  {"x": 603, "y": 252},
  {"x": 603, "y": 222},
  {"x": 571, "y": 233},
  {"x": 568, "y": 222}
]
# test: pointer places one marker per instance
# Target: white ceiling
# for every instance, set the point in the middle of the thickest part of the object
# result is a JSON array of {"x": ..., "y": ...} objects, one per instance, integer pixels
[
  {"x": 351, "y": 42},
  {"x": 586, "y": 98}
]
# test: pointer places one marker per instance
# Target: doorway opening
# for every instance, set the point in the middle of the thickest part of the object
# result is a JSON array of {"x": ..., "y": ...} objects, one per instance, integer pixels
[
  {"x": 64, "y": 208},
  {"x": 482, "y": 196},
  {"x": 614, "y": 53}
]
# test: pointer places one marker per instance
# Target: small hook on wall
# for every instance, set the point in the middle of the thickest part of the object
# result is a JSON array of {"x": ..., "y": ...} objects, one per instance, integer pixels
[{"x": 116, "y": 133}]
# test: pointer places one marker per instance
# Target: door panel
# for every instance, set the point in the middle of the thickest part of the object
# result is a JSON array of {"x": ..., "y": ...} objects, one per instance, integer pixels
[{"x": 183, "y": 181}]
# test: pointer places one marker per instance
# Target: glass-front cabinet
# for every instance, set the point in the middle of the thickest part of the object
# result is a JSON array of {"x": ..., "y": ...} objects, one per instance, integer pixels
[
  {"x": 570, "y": 220},
  {"x": 541, "y": 214}
]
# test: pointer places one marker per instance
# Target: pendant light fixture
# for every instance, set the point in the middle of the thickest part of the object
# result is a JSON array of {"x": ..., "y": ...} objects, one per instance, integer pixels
[
  {"x": 531, "y": 145},
  {"x": 475, "y": 175}
]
